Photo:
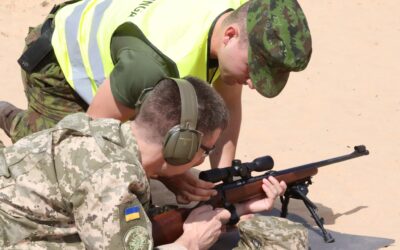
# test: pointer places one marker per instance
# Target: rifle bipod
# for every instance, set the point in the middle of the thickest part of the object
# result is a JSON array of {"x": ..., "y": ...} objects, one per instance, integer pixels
[{"x": 299, "y": 191}]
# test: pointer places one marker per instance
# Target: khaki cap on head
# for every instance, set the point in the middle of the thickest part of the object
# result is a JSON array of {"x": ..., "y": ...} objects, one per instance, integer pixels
[{"x": 279, "y": 42}]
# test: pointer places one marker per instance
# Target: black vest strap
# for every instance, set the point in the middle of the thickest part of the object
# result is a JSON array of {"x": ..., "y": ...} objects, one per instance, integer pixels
[{"x": 40, "y": 48}]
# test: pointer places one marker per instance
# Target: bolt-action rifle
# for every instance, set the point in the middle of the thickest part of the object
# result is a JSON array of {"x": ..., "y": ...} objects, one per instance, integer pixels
[{"x": 239, "y": 185}]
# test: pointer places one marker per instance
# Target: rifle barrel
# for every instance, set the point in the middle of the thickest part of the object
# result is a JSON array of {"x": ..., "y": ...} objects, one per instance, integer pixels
[
  {"x": 251, "y": 188},
  {"x": 358, "y": 151}
]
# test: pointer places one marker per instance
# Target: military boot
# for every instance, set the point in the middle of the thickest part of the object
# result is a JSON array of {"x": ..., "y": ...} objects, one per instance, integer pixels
[{"x": 7, "y": 115}]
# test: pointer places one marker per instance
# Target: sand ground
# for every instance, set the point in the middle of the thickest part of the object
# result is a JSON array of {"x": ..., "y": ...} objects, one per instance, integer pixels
[{"x": 347, "y": 96}]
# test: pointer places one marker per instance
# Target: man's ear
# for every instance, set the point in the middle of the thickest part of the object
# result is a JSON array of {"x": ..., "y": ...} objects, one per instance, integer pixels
[{"x": 230, "y": 32}]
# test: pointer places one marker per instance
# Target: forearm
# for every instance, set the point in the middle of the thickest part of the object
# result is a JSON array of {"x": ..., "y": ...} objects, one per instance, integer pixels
[
  {"x": 104, "y": 105},
  {"x": 242, "y": 209},
  {"x": 185, "y": 243},
  {"x": 172, "y": 246},
  {"x": 226, "y": 145}
]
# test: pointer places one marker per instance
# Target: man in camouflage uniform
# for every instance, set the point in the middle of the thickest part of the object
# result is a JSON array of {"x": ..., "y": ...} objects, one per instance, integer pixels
[{"x": 84, "y": 183}]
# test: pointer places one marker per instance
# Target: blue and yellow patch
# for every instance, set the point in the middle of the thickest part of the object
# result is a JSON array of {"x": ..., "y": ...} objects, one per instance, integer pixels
[{"x": 132, "y": 213}]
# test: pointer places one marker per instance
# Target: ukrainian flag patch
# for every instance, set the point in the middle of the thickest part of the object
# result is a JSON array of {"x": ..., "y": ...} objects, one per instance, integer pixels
[{"x": 132, "y": 213}]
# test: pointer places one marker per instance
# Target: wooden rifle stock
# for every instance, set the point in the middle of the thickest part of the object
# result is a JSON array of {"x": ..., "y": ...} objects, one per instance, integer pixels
[
  {"x": 168, "y": 226},
  {"x": 252, "y": 189}
]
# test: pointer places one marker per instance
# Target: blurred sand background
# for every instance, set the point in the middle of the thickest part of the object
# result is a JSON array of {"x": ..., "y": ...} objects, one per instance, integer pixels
[{"x": 347, "y": 96}]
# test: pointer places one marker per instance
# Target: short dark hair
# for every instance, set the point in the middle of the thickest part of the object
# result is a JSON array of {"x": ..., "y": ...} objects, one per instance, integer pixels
[
  {"x": 162, "y": 109},
  {"x": 239, "y": 16}
]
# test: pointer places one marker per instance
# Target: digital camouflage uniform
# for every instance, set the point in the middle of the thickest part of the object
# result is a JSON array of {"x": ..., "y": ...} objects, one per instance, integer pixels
[
  {"x": 77, "y": 185},
  {"x": 272, "y": 233}
]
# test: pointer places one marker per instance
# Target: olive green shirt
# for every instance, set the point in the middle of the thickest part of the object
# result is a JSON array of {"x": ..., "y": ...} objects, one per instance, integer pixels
[{"x": 138, "y": 66}]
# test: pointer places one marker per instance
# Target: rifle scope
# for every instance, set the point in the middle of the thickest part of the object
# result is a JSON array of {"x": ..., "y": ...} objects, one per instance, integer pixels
[{"x": 238, "y": 168}]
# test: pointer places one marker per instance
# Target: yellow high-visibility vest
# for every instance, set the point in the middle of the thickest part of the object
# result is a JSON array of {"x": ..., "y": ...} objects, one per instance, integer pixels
[{"x": 177, "y": 28}]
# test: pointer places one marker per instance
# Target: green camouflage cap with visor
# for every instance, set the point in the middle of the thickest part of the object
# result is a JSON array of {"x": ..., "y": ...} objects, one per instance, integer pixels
[{"x": 279, "y": 42}]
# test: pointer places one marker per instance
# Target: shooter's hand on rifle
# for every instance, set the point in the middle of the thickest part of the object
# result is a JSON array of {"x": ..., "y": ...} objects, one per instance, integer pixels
[
  {"x": 188, "y": 187},
  {"x": 203, "y": 227},
  {"x": 204, "y": 224},
  {"x": 272, "y": 188}
]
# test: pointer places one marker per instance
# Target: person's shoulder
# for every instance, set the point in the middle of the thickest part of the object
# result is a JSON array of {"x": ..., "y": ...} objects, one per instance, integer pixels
[
  {"x": 127, "y": 37},
  {"x": 75, "y": 121}
]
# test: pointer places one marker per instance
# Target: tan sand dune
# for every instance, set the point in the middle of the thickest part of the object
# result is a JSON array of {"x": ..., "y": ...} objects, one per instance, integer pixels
[{"x": 348, "y": 95}]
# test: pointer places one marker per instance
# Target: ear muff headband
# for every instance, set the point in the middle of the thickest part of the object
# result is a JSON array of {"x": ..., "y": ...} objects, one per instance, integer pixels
[
  {"x": 189, "y": 106},
  {"x": 183, "y": 141}
]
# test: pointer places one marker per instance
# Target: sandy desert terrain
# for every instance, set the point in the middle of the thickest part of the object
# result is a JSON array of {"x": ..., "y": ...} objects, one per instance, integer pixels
[{"x": 347, "y": 96}]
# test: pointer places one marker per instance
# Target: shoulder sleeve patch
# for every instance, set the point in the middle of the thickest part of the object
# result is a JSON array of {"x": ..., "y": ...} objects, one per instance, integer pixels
[
  {"x": 135, "y": 227},
  {"x": 132, "y": 213},
  {"x": 137, "y": 238}
]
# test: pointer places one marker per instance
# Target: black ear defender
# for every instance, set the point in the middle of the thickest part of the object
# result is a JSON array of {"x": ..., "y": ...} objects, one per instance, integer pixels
[{"x": 183, "y": 140}]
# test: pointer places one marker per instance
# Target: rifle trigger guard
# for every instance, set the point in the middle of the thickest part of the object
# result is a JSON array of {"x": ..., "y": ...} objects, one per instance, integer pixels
[
  {"x": 231, "y": 208},
  {"x": 234, "y": 216}
]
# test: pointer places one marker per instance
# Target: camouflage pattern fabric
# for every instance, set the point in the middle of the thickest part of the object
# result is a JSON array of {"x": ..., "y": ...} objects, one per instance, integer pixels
[
  {"x": 50, "y": 97},
  {"x": 279, "y": 42},
  {"x": 272, "y": 233},
  {"x": 42, "y": 245},
  {"x": 75, "y": 186}
]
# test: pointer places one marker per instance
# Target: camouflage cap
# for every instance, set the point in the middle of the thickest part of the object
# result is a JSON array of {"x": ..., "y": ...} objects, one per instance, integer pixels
[
  {"x": 279, "y": 42},
  {"x": 270, "y": 232}
]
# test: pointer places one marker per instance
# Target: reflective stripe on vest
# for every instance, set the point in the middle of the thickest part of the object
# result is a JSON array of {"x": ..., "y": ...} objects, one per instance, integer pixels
[{"x": 177, "y": 28}]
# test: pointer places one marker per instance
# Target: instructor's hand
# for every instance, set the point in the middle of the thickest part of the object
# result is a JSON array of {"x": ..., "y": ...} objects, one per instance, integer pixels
[{"x": 188, "y": 187}]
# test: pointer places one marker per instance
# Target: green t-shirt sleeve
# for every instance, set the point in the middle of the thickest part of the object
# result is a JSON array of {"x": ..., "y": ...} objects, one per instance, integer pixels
[
  {"x": 136, "y": 66},
  {"x": 133, "y": 72}
]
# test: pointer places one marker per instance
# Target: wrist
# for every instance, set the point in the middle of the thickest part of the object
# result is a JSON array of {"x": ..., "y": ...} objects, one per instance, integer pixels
[
  {"x": 241, "y": 209},
  {"x": 187, "y": 242}
]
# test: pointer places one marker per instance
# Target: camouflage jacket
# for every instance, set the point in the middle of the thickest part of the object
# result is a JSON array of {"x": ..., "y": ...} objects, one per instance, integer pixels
[{"x": 77, "y": 185}]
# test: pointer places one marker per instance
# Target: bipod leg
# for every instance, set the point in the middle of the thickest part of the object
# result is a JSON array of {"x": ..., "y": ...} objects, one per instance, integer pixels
[
  {"x": 285, "y": 203},
  {"x": 299, "y": 190}
]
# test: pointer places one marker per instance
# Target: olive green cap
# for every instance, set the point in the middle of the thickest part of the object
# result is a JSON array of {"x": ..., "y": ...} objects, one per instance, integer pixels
[{"x": 279, "y": 42}]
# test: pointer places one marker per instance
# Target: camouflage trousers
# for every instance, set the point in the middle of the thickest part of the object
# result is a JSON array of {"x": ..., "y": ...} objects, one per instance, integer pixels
[{"x": 50, "y": 97}]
